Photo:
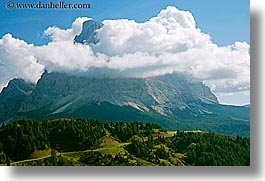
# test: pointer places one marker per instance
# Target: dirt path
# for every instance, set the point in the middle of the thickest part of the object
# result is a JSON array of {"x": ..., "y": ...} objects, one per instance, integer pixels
[
  {"x": 98, "y": 149},
  {"x": 28, "y": 160}
]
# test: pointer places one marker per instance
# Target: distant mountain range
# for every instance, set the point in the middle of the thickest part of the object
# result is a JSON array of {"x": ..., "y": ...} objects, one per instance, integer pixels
[{"x": 173, "y": 101}]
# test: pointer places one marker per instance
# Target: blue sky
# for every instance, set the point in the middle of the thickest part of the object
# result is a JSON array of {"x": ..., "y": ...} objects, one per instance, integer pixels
[{"x": 226, "y": 21}]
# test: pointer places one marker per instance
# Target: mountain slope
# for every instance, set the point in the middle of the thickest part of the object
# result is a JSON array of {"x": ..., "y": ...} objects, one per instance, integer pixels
[
  {"x": 173, "y": 101},
  {"x": 12, "y": 96}
]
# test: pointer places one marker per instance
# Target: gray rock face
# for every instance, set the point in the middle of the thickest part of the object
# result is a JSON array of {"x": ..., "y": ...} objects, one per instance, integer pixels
[
  {"x": 173, "y": 93},
  {"x": 12, "y": 97},
  {"x": 88, "y": 33},
  {"x": 169, "y": 95}
]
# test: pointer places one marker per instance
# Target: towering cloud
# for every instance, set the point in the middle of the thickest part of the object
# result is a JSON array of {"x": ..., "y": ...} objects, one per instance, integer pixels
[
  {"x": 167, "y": 43},
  {"x": 17, "y": 59}
]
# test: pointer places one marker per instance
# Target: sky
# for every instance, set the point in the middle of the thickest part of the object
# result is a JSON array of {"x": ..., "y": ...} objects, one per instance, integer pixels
[{"x": 223, "y": 22}]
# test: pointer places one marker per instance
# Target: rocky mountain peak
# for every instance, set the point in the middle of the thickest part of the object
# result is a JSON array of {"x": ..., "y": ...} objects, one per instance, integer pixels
[{"x": 88, "y": 33}]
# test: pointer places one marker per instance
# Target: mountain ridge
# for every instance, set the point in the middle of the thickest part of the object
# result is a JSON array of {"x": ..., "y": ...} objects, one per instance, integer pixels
[{"x": 169, "y": 100}]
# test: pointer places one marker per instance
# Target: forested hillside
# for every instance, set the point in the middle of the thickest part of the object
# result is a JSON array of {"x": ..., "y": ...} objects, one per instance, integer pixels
[{"x": 89, "y": 142}]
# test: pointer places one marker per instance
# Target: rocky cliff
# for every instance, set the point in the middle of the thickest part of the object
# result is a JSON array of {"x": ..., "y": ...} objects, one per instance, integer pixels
[
  {"x": 173, "y": 101},
  {"x": 167, "y": 95}
]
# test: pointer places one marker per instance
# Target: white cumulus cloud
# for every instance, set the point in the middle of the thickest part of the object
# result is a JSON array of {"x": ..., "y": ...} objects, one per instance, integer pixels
[
  {"x": 167, "y": 43},
  {"x": 17, "y": 60},
  {"x": 58, "y": 34}
]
